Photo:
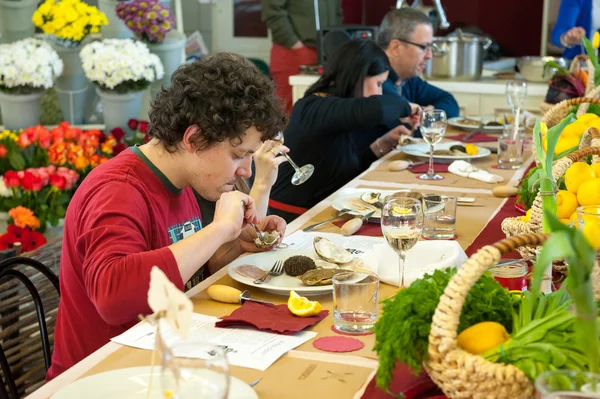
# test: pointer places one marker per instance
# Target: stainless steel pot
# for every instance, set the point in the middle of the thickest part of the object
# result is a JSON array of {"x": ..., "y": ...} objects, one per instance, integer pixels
[
  {"x": 457, "y": 57},
  {"x": 534, "y": 69}
]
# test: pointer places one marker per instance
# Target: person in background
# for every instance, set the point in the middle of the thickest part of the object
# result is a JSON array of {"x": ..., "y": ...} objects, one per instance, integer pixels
[
  {"x": 266, "y": 164},
  {"x": 406, "y": 35},
  {"x": 346, "y": 101},
  {"x": 294, "y": 34},
  {"x": 576, "y": 19},
  {"x": 138, "y": 211}
]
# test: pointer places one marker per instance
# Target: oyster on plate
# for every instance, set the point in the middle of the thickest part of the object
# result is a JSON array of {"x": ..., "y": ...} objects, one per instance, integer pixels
[
  {"x": 320, "y": 276},
  {"x": 331, "y": 252},
  {"x": 270, "y": 238},
  {"x": 372, "y": 198}
]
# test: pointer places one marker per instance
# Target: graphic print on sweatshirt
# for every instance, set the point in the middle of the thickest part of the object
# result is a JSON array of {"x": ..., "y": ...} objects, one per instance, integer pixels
[{"x": 183, "y": 230}]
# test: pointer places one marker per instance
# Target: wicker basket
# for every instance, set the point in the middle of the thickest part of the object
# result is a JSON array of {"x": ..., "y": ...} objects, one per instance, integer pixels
[
  {"x": 458, "y": 373},
  {"x": 575, "y": 67},
  {"x": 590, "y": 145}
]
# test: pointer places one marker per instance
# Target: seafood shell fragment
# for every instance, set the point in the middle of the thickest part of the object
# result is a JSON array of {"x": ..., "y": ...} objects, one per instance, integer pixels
[
  {"x": 319, "y": 276},
  {"x": 331, "y": 252},
  {"x": 270, "y": 238}
]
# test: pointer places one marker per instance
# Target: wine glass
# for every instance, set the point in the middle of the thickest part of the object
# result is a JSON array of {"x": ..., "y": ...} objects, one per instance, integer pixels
[
  {"x": 402, "y": 224},
  {"x": 302, "y": 174},
  {"x": 205, "y": 375},
  {"x": 433, "y": 127},
  {"x": 516, "y": 91}
]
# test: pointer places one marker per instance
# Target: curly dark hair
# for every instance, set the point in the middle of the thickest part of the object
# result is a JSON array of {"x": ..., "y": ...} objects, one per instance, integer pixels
[{"x": 223, "y": 94}]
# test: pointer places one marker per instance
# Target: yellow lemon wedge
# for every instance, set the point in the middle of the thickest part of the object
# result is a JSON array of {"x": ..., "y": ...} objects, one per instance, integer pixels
[
  {"x": 400, "y": 210},
  {"x": 301, "y": 306},
  {"x": 482, "y": 337},
  {"x": 578, "y": 173},
  {"x": 588, "y": 192},
  {"x": 471, "y": 149},
  {"x": 566, "y": 203}
]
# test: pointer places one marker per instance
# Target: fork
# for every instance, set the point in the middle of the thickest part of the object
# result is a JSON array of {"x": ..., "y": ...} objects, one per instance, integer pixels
[{"x": 276, "y": 271}]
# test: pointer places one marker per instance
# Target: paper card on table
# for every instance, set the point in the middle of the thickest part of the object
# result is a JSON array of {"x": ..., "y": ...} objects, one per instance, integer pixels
[
  {"x": 245, "y": 347},
  {"x": 167, "y": 300}
]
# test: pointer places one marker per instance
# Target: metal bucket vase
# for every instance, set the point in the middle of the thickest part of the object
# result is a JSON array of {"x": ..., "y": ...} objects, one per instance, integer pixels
[
  {"x": 20, "y": 110},
  {"x": 119, "y": 108},
  {"x": 15, "y": 19},
  {"x": 170, "y": 52},
  {"x": 116, "y": 29},
  {"x": 71, "y": 85}
]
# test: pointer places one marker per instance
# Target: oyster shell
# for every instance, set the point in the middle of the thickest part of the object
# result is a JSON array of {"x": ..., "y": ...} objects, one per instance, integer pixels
[
  {"x": 331, "y": 252},
  {"x": 319, "y": 276},
  {"x": 371, "y": 198},
  {"x": 270, "y": 238}
]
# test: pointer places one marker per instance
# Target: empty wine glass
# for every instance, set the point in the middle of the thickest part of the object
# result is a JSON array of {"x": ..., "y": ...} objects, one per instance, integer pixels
[
  {"x": 516, "y": 91},
  {"x": 194, "y": 370},
  {"x": 302, "y": 174},
  {"x": 401, "y": 224},
  {"x": 433, "y": 127}
]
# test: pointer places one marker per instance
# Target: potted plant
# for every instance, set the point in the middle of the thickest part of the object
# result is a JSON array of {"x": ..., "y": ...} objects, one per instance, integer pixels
[
  {"x": 121, "y": 69},
  {"x": 67, "y": 24},
  {"x": 15, "y": 19},
  {"x": 27, "y": 68},
  {"x": 116, "y": 28},
  {"x": 153, "y": 23}
]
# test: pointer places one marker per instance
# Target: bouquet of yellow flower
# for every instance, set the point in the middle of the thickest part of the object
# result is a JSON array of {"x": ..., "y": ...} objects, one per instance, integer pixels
[{"x": 70, "y": 21}]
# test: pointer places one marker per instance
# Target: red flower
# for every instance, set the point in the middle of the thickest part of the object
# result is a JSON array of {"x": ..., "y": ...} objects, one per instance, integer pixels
[
  {"x": 31, "y": 182},
  {"x": 11, "y": 179},
  {"x": 3, "y": 151},
  {"x": 29, "y": 240},
  {"x": 119, "y": 147},
  {"x": 117, "y": 133},
  {"x": 133, "y": 124},
  {"x": 102, "y": 138},
  {"x": 36, "y": 241},
  {"x": 58, "y": 181},
  {"x": 143, "y": 126},
  {"x": 44, "y": 138}
]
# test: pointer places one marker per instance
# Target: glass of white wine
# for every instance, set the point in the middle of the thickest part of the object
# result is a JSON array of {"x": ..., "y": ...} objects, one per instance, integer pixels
[
  {"x": 402, "y": 224},
  {"x": 302, "y": 174},
  {"x": 433, "y": 127}
]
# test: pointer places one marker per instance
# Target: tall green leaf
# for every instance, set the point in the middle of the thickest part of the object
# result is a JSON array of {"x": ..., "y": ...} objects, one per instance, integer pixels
[
  {"x": 591, "y": 51},
  {"x": 17, "y": 162}
]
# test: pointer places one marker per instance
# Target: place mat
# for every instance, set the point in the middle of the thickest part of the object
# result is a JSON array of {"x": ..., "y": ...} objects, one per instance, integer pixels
[
  {"x": 423, "y": 168},
  {"x": 477, "y": 137},
  {"x": 406, "y": 383},
  {"x": 382, "y": 173}
]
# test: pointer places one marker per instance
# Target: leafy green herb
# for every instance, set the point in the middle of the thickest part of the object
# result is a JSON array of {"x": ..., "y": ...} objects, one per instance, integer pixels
[{"x": 402, "y": 333}]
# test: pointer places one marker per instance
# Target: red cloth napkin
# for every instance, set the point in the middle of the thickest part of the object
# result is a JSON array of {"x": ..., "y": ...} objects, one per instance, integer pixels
[
  {"x": 367, "y": 229},
  {"x": 271, "y": 318},
  {"x": 404, "y": 381},
  {"x": 477, "y": 137},
  {"x": 438, "y": 167}
]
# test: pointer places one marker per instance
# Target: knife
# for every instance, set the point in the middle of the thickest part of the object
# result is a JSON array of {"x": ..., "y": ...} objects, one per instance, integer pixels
[
  {"x": 468, "y": 136},
  {"x": 353, "y": 225}
]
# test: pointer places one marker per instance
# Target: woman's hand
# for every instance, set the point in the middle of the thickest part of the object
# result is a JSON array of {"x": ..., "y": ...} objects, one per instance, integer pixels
[
  {"x": 389, "y": 141},
  {"x": 573, "y": 36},
  {"x": 267, "y": 160}
]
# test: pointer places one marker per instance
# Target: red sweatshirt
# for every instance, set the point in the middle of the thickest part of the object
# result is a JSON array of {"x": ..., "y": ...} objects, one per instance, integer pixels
[{"x": 118, "y": 225}]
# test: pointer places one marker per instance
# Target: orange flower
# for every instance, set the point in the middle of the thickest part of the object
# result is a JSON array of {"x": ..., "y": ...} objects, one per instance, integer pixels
[
  {"x": 89, "y": 150},
  {"x": 81, "y": 162},
  {"x": 95, "y": 160},
  {"x": 3, "y": 151},
  {"x": 75, "y": 151},
  {"x": 103, "y": 159},
  {"x": 24, "y": 217}
]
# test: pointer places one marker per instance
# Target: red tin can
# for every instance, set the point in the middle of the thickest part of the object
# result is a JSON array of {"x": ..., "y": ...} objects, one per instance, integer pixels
[{"x": 512, "y": 277}]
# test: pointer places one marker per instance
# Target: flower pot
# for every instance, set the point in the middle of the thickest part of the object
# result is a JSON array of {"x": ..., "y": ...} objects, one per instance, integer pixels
[
  {"x": 15, "y": 19},
  {"x": 71, "y": 85},
  {"x": 116, "y": 29},
  {"x": 119, "y": 108},
  {"x": 170, "y": 52},
  {"x": 20, "y": 110}
]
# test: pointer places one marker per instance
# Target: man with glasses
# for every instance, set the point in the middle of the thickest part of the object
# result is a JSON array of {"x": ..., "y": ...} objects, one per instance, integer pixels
[{"x": 406, "y": 35}]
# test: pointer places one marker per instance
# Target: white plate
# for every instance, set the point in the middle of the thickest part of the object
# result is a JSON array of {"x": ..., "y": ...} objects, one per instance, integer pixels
[
  {"x": 421, "y": 150},
  {"x": 456, "y": 122},
  {"x": 132, "y": 383},
  {"x": 281, "y": 285},
  {"x": 343, "y": 200}
]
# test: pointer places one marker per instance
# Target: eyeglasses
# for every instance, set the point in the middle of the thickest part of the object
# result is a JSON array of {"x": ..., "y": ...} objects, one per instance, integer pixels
[{"x": 423, "y": 47}]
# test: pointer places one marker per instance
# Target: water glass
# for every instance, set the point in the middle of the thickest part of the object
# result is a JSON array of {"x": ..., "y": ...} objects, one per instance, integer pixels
[
  {"x": 567, "y": 384},
  {"x": 440, "y": 217},
  {"x": 194, "y": 370},
  {"x": 355, "y": 302},
  {"x": 516, "y": 91},
  {"x": 510, "y": 152},
  {"x": 509, "y": 128}
]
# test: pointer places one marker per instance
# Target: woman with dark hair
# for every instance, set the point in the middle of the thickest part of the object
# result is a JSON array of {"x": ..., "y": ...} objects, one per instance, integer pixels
[{"x": 328, "y": 127}]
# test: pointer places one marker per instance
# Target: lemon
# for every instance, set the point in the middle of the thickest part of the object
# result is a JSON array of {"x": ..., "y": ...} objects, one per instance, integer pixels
[
  {"x": 595, "y": 123},
  {"x": 586, "y": 118},
  {"x": 566, "y": 143},
  {"x": 301, "y": 306},
  {"x": 567, "y": 204},
  {"x": 573, "y": 220},
  {"x": 596, "y": 169},
  {"x": 589, "y": 192},
  {"x": 574, "y": 129},
  {"x": 471, "y": 149},
  {"x": 578, "y": 173},
  {"x": 591, "y": 231},
  {"x": 527, "y": 216},
  {"x": 482, "y": 337},
  {"x": 400, "y": 210}
]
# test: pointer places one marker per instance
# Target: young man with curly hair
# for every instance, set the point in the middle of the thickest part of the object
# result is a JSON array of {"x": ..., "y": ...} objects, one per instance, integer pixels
[{"x": 138, "y": 210}]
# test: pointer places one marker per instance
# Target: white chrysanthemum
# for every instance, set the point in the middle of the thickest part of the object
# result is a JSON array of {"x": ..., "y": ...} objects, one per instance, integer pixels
[
  {"x": 29, "y": 63},
  {"x": 111, "y": 62},
  {"x": 4, "y": 191}
]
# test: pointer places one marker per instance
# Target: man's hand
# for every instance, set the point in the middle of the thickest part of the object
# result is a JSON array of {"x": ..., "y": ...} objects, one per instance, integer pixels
[
  {"x": 269, "y": 223},
  {"x": 298, "y": 45},
  {"x": 234, "y": 210}
]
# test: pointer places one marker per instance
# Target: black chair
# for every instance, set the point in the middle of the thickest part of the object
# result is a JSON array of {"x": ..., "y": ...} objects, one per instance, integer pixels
[{"x": 17, "y": 321}]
